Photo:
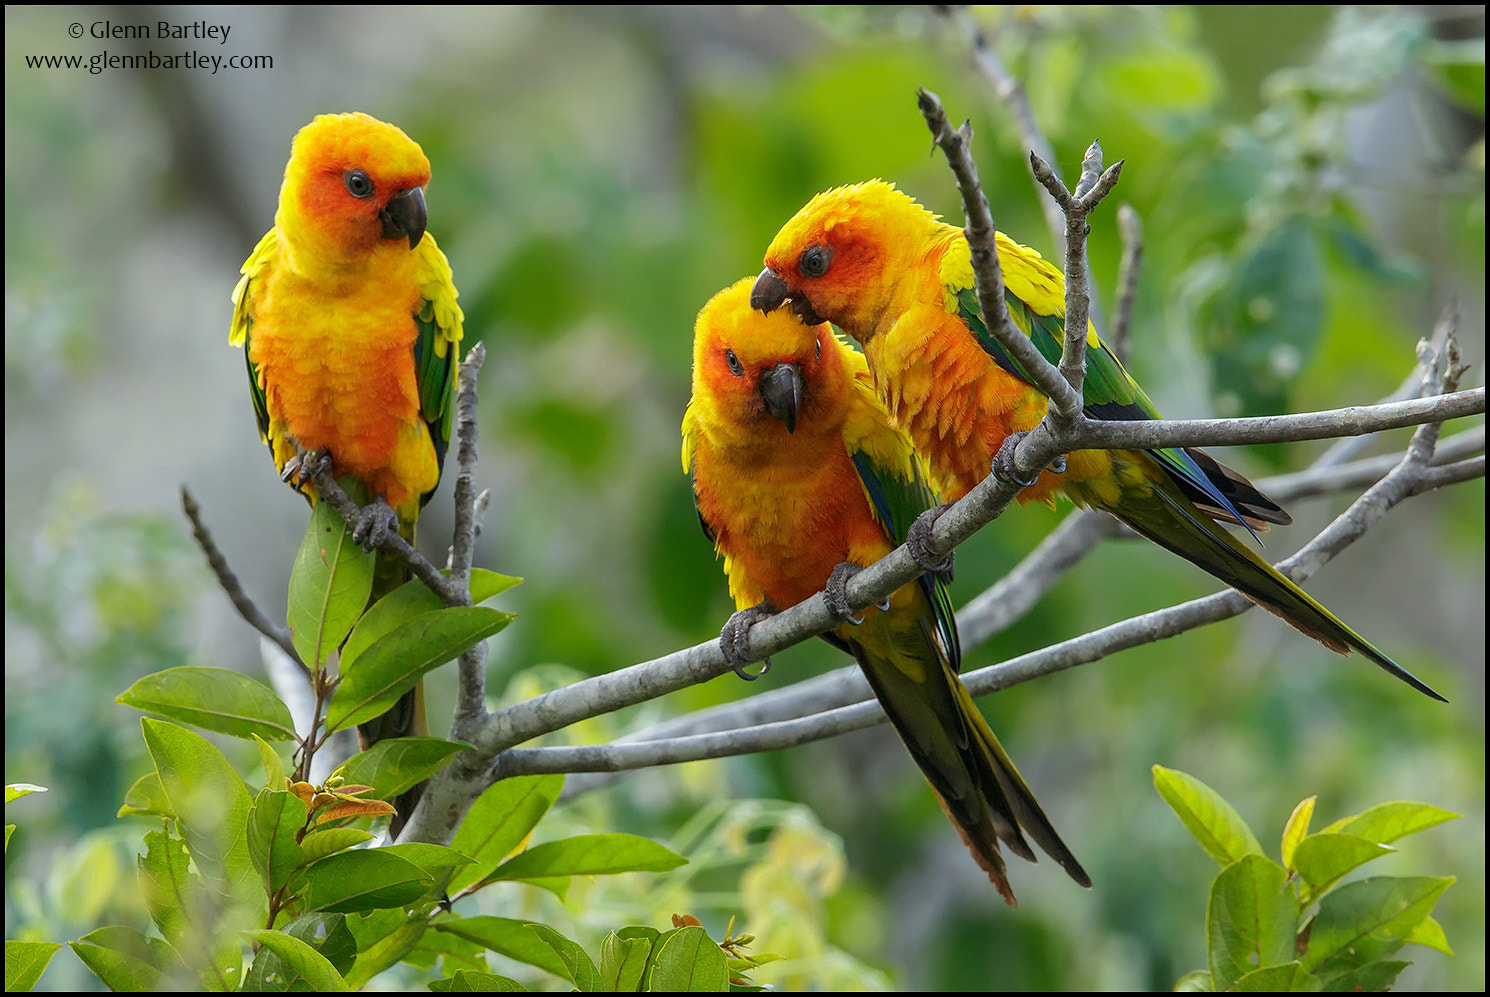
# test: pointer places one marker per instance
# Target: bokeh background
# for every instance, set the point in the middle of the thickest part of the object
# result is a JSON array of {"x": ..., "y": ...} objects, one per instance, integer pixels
[{"x": 1311, "y": 182}]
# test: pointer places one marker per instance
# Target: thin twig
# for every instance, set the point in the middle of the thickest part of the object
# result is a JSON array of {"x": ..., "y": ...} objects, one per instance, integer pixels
[
  {"x": 251, "y": 613},
  {"x": 982, "y": 244},
  {"x": 1093, "y": 186},
  {"x": 1149, "y": 434}
]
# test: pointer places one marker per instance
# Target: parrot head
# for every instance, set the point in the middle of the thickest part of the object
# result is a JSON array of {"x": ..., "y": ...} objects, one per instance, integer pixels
[
  {"x": 840, "y": 258},
  {"x": 353, "y": 183},
  {"x": 763, "y": 375}
]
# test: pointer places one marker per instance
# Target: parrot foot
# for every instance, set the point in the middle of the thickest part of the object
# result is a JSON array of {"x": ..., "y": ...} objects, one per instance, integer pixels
[
  {"x": 374, "y": 522},
  {"x": 918, "y": 543},
  {"x": 1005, "y": 461},
  {"x": 735, "y": 638},
  {"x": 305, "y": 465},
  {"x": 835, "y": 592}
]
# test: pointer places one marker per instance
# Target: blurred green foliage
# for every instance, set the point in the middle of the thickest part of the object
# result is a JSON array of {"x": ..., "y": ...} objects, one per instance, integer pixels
[{"x": 1311, "y": 182}]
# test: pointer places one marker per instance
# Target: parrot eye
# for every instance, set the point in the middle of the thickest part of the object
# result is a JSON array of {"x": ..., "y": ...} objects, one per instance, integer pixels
[
  {"x": 814, "y": 261},
  {"x": 734, "y": 363},
  {"x": 359, "y": 184}
]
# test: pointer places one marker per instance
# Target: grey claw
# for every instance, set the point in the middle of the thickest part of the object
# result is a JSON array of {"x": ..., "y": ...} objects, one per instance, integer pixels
[
  {"x": 835, "y": 592},
  {"x": 918, "y": 543},
  {"x": 734, "y": 639},
  {"x": 1003, "y": 462},
  {"x": 374, "y": 523}
]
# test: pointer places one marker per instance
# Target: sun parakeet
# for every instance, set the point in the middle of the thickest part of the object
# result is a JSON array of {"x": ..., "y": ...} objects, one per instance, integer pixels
[
  {"x": 884, "y": 269},
  {"x": 799, "y": 478},
  {"x": 348, "y": 318}
]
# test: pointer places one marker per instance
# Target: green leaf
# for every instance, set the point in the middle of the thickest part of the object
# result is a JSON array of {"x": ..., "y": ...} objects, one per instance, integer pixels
[
  {"x": 485, "y": 584},
  {"x": 623, "y": 962},
  {"x": 326, "y": 933},
  {"x": 590, "y": 855},
  {"x": 499, "y": 820},
  {"x": 329, "y": 586},
  {"x": 214, "y": 699},
  {"x": 210, "y": 802},
  {"x": 15, "y": 791},
  {"x": 395, "y": 662},
  {"x": 1368, "y": 920},
  {"x": 318, "y": 844},
  {"x": 167, "y": 885},
  {"x": 1386, "y": 822},
  {"x": 302, "y": 960},
  {"x": 507, "y": 937},
  {"x": 577, "y": 965},
  {"x": 1296, "y": 828},
  {"x": 180, "y": 907},
  {"x": 688, "y": 961},
  {"x": 1377, "y": 977},
  {"x": 383, "y": 938},
  {"x": 369, "y": 879},
  {"x": 398, "y": 764},
  {"x": 1321, "y": 859},
  {"x": 274, "y": 769},
  {"x": 437, "y": 861},
  {"x": 9, "y": 830},
  {"x": 1289, "y": 978},
  {"x": 1429, "y": 932},
  {"x": 414, "y": 598},
  {"x": 25, "y": 961},
  {"x": 146, "y": 798},
  {"x": 274, "y": 826},
  {"x": 124, "y": 959},
  {"x": 1251, "y": 920},
  {"x": 470, "y": 981},
  {"x": 1196, "y": 981},
  {"x": 1219, "y": 828}
]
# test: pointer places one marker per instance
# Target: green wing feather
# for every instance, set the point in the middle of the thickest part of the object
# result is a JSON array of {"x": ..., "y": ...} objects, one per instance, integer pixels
[
  {"x": 439, "y": 322},
  {"x": 1109, "y": 392},
  {"x": 241, "y": 330},
  {"x": 897, "y": 501}
]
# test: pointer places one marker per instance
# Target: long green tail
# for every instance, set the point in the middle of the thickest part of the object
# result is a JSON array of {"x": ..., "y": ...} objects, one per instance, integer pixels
[
  {"x": 1172, "y": 521},
  {"x": 978, "y": 786}
]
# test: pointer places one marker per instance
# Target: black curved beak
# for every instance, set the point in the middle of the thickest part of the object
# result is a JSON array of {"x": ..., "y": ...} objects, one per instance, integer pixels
[
  {"x": 769, "y": 293},
  {"x": 781, "y": 390},
  {"x": 405, "y": 216}
]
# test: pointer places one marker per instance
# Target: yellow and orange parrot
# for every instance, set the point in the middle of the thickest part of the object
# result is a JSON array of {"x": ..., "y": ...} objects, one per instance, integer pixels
[
  {"x": 885, "y": 270},
  {"x": 800, "y": 480},
  {"x": 347, "y": 314}
]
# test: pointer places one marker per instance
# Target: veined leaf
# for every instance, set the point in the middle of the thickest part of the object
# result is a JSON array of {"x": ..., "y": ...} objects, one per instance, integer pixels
[
  {"x": 329, "y": 586},
  {"x": 1251, "y": 920},
  {"x": 1214, "y": 823},
  {"x": 214, "y": 699},
  {"x": 303, "y": 960},
  {"x": 499, "y": 820},
  {"x": 398, "y": 764},
  {"x": 396, "y": 661},
  {"x": 590, "y": 855}
]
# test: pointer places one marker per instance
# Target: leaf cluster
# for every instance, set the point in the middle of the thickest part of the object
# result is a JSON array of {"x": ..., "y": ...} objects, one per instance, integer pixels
[
  {"x": 1295, "y": 926},
  {"x": 278, "y": 890}
]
